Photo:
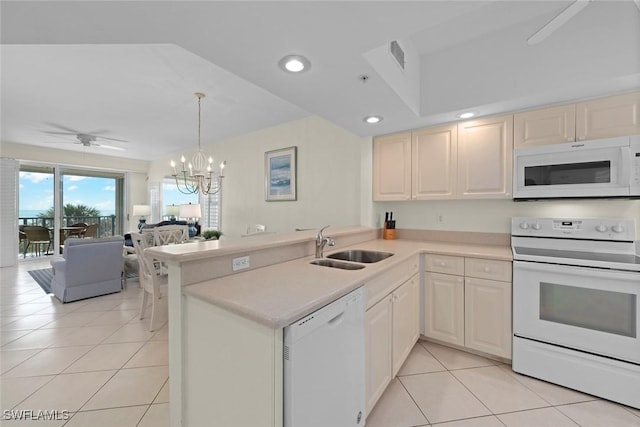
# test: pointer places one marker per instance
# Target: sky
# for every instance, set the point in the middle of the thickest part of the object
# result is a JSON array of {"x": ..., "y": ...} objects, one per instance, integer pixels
[{"x": 36, "y": 192}]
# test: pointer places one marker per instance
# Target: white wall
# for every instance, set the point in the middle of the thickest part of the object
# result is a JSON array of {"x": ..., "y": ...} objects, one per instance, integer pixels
[
  {"x": 494, "y": 216},
  {"x": 329, "y": 177}
]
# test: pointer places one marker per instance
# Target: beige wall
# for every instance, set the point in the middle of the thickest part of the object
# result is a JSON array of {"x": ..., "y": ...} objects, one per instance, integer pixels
[
  {"x": 330, "y": 177},
  {"x": 495, "y": 215}
]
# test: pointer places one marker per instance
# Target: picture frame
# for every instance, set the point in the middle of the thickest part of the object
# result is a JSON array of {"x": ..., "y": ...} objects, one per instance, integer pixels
[{"x": 280, "y": 174}]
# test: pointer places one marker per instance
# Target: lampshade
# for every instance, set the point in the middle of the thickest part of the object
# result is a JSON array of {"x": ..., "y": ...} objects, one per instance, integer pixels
[
  {"x": 141, "y": 210},
  {"x": 172, "y": 210},
  {"x": 190, "y": 211}
]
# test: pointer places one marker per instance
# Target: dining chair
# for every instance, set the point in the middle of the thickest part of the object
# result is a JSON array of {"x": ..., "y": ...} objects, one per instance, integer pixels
[
  {"x": 150, "y": 275},
  {"x": 170, "y": 234}
]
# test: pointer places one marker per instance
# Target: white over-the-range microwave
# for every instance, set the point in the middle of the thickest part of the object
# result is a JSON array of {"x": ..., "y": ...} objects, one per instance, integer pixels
[{"x": 597, "y": 168}]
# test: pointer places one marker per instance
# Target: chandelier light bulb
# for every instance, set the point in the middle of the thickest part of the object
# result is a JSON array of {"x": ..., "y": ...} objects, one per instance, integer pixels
[{"x": 198, "y": 180}]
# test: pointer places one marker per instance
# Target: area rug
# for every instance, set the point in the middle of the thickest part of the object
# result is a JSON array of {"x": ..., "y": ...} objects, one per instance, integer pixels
[{"x": 43, "y": 278}]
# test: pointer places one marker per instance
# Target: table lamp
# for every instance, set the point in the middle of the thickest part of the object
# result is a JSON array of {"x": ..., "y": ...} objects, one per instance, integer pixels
[
  {"x": 191, "y": 212},
  {"x": 141, "y": 211},
  {"x": 172, "y": 212}
]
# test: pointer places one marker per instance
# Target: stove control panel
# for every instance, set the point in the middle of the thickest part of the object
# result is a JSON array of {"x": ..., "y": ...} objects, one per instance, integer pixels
[{"x": 575, "y": 228}]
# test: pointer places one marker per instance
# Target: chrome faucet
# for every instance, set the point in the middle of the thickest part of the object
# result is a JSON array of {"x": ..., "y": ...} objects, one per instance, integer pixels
[{"x": 321, "y": 241}]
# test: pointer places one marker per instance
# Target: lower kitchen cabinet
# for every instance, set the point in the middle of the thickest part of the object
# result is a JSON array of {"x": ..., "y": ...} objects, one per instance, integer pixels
[
  {"x": 487, "y": 312},
  {"x": 471, "y": 305},
  {"x": 444, "y": 307},
  {"x": 392, "y": 331}
]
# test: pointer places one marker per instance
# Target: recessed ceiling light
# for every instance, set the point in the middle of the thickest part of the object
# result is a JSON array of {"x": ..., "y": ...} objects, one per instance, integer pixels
[
  {"x": 294, "y": 63},
  {"x": 372, "y": 119},
  {"x": 466, "y": 115}
]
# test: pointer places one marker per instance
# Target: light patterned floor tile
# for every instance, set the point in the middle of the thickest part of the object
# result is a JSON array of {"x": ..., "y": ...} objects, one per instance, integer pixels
[
  {"x": 552, "y": 393},
  {"x": 599, "y": 413},
  {"x": 15, "y": 390},
  {"x": 105, "y": 357},
  {"x": 420, "y": 361},
  {"x": 153, "y": 353},
  {"x": 74, "y": 319},
  {"x": 121, "y": 417},
  {"x": 33, "y": 321},
  {"x": 455, "y": 359},
  {"x": 7, "y": 337},
  {"x": 67, "y": 391},
  {"x": 114, "y": 317},
  {"x": 86, "y": 335},
  {"x": 136, "y": 386},
  {"x": 163, "y": 395},
  {"x": 395, "y": 408},
  {"x": 544, "y": 417},
  {"x": 39, "y": 338},
  {"x": 156, "y": 416},
  {"x": 99, "y": 304},
  {"x": 130, "y": 333},
  {"x": 9, "y": 359},
  {"x": 49, "y": 361},
  {"x": 499, "y": 391},
  {"x": 489, "y": 421},
  {"x": 441, "y": 397}
]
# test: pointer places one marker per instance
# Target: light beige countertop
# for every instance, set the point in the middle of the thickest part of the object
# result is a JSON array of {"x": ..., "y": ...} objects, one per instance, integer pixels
[{"x": 279, "y": 294}]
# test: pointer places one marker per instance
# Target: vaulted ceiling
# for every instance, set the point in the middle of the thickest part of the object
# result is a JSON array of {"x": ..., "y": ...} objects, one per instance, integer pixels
[{"x": 128, "y": 70}]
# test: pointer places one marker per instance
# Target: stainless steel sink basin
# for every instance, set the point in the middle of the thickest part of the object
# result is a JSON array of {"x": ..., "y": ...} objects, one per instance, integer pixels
[
  {"x": 359, "y": 255},
  {"x": 337, "y": 264}
]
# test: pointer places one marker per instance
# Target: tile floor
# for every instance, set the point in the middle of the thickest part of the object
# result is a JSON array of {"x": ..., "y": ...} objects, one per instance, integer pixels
[
  {"x": 97, "y": 360},
  {"x": 93, "y": 358}
]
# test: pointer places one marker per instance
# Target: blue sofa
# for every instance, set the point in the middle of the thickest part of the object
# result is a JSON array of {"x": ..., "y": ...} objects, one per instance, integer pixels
[{"x": 88, "y": 268}]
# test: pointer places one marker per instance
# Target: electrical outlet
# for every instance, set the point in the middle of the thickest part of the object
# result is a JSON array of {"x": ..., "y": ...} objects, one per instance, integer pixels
[
  {"x": 439, "y": 218},
  {"x": 240, "y": 263}
]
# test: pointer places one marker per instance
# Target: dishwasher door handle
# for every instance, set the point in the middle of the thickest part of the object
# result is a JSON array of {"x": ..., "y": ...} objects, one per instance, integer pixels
[{"x": 336, "y": 320}]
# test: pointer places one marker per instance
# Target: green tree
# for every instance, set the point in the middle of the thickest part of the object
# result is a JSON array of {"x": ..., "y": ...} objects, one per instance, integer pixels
[{"x": 70, "y": 210}]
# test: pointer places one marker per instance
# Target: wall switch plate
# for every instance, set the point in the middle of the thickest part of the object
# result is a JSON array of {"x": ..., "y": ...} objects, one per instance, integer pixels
[
  {"x": 240, "y": 263},
  {"x": 440, "y": 218}
]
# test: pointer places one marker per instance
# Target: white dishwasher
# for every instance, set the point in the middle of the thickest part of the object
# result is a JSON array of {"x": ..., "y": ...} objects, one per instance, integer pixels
[{"x": 324, "y": 373}]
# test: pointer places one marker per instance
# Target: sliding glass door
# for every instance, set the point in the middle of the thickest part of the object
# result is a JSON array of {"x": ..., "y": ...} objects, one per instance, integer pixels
[{"x": 70, "y": 202}]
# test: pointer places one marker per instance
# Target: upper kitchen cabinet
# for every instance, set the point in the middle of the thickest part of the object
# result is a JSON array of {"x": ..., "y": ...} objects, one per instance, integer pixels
[
  {"x": 485, "y": 158},
  {"x": 392, "y": 167},
  {"x": 608, "y": 117},
  {"x": 553, "y": 125},
  {"x": 435, "y": 160}
]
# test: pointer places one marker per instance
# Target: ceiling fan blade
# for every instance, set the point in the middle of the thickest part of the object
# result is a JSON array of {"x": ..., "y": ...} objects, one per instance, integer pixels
[
  {"x": 67, "y": 129},
  {"x": 557, "y": 22},
  {"x": 110, "y": 147},
  {"x": 109, "y": 139},
  {"x": 58, "y": 133}
]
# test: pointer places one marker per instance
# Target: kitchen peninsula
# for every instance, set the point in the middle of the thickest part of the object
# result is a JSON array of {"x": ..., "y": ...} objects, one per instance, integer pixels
[{"x": 226, "y": 327}]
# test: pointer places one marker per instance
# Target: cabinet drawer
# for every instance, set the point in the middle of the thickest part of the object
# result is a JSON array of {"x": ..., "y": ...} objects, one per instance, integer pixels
[
  {"x": 444, "y": 264},
  {"x": 389, "y": 280},
  {"x": 488, "y": 269}
]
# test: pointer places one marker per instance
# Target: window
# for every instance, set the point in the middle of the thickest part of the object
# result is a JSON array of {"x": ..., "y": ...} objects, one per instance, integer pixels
[{"x": 209, "y": 204}]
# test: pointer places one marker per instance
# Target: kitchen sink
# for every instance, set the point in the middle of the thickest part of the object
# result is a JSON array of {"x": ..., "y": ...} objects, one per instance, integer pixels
[
  {"x": 359, "y": 255},
  {"x": 337, "y": 264}
]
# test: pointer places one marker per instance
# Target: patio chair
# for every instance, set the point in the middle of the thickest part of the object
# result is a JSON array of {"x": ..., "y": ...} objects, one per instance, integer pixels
[
  {"x": 36, "y": 236},
  {"x": 77, "y": 233},
  {"x": 91, "y": 231},
  {"x": 150, "y": 276}
]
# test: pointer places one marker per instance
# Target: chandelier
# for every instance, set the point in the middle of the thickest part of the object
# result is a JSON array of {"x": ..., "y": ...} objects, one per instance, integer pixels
[{"x": 198, "y": 176}]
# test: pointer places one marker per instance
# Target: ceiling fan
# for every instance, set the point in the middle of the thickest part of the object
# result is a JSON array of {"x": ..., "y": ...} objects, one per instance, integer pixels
[
  {"x": 88, "y": 139},
  {"x": 562, "y": 18}
]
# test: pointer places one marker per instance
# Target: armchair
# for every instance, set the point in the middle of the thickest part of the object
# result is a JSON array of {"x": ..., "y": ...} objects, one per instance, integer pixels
[{"x": 88, "y": 268}]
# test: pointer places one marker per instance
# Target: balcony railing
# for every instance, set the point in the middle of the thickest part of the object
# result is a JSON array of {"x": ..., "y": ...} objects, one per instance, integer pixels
[{"x": 106, "y": 224}]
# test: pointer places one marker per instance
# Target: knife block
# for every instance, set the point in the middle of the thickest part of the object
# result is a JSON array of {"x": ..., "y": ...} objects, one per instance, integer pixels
[{"x": 389, "y": 233}]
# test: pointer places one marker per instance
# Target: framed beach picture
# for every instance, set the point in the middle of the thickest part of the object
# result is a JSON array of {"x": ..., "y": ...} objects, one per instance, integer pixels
[{"x": 280, "y": 174}]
